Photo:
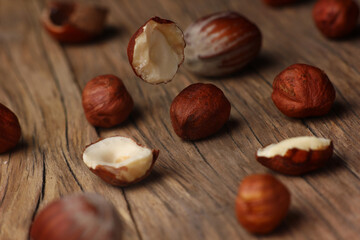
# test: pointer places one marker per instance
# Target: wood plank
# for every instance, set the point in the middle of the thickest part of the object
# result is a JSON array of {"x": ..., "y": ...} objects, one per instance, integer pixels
[{"x": 190, "y": 194}]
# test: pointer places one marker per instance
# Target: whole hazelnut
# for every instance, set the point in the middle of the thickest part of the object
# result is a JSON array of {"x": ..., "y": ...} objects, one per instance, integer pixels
[
  {"x": 106, "y": 101},
  {"x": 199, "y": 111},
  {"x": 73, "y": 22},
  {"x": 10, "y": 130},
  {"x": 277, "y": 3},
  {"x": 303, "y": 91},
  {"x": 336, "y": 18},
  {"x": 220, "y": 44},
  {"x": 84, "y": 216},
  {"x": 262, "y": 203}
]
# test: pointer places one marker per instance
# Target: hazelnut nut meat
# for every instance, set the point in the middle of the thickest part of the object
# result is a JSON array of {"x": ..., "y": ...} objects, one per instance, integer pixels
[
  {"x": 84, "y": 216},
  {"x": 199, "y": 111},
  {"x": 296, "y": 156},
  {"x": 156, "y": 50},
  {"x": 10, "y": 130},
  {"x": 336, "y": 18},
  {"x": 119, "y": 161},
  {"x": 262, "y": 203},
  {"x": 303, "y": 91},
  {"x": 71, "y": 22},
  {"x": 220, "y": 44},
  {"x": 106, "y": 101}
]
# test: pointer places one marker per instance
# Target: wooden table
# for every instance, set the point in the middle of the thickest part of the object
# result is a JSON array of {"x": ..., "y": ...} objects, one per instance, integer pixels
[{"x": 191, "y": 192}]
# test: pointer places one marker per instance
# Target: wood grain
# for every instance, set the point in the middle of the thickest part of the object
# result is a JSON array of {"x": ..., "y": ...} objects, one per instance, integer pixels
[{"x": 191, "y": 192}]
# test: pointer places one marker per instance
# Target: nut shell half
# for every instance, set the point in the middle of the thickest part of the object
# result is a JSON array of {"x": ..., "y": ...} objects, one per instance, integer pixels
[
  {"x": 298, "y": 160},
  {"x": 70, "y": 22},
  {"x": 10, "y": 130},
  {"x": 119, "y": 161},
  {"x": 303, "y": 91},
  {"x": 199, "y": 111},
  {"x": 84, "y": 216},
  {"x": 262, "y": 203}
]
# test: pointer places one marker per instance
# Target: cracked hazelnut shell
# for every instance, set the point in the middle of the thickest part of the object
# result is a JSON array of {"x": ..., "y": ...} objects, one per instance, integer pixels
[
  {"x": 303, "y": 91},
  {"x": 262, "y": 203},
  {"x": 156, "y": 50},
  {"x": 119, "y": 161},
  {"x": 296, "y": 156},
  {"x": 82, "y": 216},
  {"x": 336, "y": 18},
  {"x": 220, "y": 44},
  {"x": 106, "y": 102},
  {"x": 73, "y": 22},
  {"x": 199, "y": 111},
  {"x": 10, "y": 130}
]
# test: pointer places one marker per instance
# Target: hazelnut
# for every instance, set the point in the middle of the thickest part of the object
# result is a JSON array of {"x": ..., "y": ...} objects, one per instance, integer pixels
[
  {"x": 199, "y": 111},
  {"x": 106, "y": 101},
  {"x": 156, "y": 50},
  {"x": 84, "y": 216},
  {"x": 71, "y": 22},
  {"x": 296, "y": 156},
  {"x": 10, "y": 131},
  {"x": 220, "y": 44},
  {"x": 336, "y": 18},
  {"x": 277, "y": 3},
  {"x": 262, "y": 203},
  {"x": 119, "y": 161},
  {"x": 303, "y": 91}
]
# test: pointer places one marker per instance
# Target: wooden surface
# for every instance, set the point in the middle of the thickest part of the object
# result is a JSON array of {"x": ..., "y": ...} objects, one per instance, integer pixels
[{"x": 191, "y": 192}]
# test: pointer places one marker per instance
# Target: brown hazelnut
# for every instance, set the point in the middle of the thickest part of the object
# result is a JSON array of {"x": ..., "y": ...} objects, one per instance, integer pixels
[
  {"x": 84, "y": 216},
  {"x": 199, "y": 111},
  {"x": 71, "y": 22},
  {"x": 296, "y": 156},
  {"x": 262, "y": 203},
  {"x": 106, "y": 101},
  {"x": 10, "y": 131},
  {"x": 220, "y": 44},
  {"x": 119, "y": 161},
  {"x": 156, "y": 50},
  {"x": 303, "y": 91},
  {"x": 336, "y": 18},
  {"x": 277, "y": 3}
]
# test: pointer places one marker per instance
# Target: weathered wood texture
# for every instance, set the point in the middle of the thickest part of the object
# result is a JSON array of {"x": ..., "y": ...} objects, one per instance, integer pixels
[{"x": 191, "y": 192}]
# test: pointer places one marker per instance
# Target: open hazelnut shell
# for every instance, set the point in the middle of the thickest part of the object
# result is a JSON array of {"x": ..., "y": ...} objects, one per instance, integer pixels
[
  {"x": 156, "y": 50},
  {"x": 296, "y": 156},
  {"x": 119, "y": 161},
  {"x": 72, "y": 22}
]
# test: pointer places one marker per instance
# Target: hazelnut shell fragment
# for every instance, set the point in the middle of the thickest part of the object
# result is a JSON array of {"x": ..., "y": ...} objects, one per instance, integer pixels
[
  {"x": 10, "y": 130},
  {"x": 220, "y": 44},
  {"x": 336, "y": 18},
  {"x": 83, "y": 216},
  {"x": 303, "y": 91},
  {"x": 156, "y": 50},
  {"x": 119, "y": 161},
  {"x": 199, "y": 111},
  {"x": 300, "y": 155},
  {"x": 71, "y": 22},
  {"x": 106, "y": 101},
  {"x": 262, "y": 203}
]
